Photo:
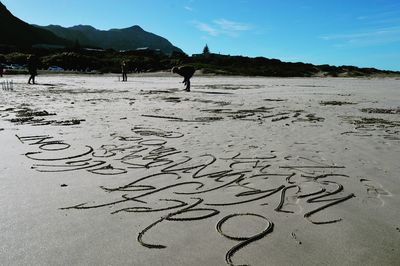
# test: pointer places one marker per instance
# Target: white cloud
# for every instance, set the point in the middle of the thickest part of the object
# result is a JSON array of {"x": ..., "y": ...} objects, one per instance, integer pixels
[
  {"x": 228, "y": 25},
  {"x": 188, "y": 8},
  {"x": 223, "y": 27},
  {"x": 381, "y": 15},
  {"x": 365, "y": 38},
  {"x": 207, "y": 28}
]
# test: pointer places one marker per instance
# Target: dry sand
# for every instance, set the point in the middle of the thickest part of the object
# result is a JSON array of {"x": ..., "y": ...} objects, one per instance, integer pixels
[{"x": 256, "y": 171}]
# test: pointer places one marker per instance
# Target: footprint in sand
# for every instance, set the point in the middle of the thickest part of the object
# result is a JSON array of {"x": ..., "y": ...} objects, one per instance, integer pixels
[
  {"x": 294, "y": 236},
  {"x": 375, "y": 192}
]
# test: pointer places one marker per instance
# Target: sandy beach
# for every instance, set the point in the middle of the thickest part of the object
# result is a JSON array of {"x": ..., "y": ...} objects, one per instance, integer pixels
[{"x": 240, "y": 171}]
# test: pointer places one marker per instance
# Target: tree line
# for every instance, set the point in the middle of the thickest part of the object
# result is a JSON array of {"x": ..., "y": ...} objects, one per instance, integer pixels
[{"x": 146, "y": 60}]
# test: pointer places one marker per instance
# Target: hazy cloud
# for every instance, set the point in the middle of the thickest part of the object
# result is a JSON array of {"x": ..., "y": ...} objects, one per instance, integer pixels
[
  {"x": 223, "y": 27},
  {"x": 206, "y": 28},
  {"x": 380, "y": 15},
  {"x": 388, "y": 17},
  {"x": 365, "y": 38},
  {"x": 228, "y": 25},
  {"x": 188, "y": 8}
]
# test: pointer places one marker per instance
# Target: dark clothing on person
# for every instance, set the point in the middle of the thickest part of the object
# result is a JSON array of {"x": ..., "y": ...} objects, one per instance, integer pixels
[
  {"x": 124, "y": 72},
  {"x": 186, "y": 72},
  {"x": 32, "y": 69},
  {"x": 1, "y": 70}
]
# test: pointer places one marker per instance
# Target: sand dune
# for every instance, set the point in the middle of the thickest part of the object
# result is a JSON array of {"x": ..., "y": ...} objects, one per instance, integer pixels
[{"x": 254, "y": 171}]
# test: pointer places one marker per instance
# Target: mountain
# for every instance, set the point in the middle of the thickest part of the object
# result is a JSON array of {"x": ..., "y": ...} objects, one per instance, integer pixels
[
  {"x": 118, "y": 39},
  {"x": 16, "y": 32}
]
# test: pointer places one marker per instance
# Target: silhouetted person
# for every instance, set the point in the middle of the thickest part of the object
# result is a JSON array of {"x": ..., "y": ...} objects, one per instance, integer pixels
[
  {"x": 186, "y": 72},
  {"x": 32, "y": 68},
  {"x": 1, "y": 70},
  {"x": 124, "y": 71}
]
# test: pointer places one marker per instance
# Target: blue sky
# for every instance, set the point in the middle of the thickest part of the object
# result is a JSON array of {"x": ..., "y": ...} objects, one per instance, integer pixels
[{"x": 364, "y": 33}]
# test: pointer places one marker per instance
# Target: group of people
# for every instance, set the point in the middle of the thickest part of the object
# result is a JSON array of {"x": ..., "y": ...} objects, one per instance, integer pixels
[{"x": 185, "y": 71}]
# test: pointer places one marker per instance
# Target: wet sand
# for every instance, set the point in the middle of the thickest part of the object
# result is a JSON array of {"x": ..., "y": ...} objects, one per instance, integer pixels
[{"x": 255, "y": 171}]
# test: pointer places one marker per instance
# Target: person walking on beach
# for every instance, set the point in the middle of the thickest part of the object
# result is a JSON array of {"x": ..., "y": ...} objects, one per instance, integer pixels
[
  {"x": 186, "y": 72},
  {"x": 124, "y": 71},
  {"x": 32, "y": 68}
]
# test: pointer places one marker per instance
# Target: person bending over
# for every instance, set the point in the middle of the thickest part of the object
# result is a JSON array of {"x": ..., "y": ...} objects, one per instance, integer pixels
[{"x": 186, "y": 72}]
